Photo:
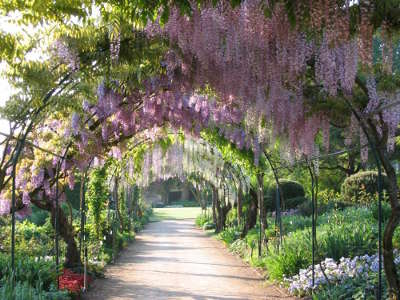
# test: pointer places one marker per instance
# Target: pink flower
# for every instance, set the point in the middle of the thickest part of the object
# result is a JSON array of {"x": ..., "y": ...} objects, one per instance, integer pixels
[
  {"x": 26, "y": 199},
  {"x": 71, "y": 180},
  {"x": 5, "y": 207},
  {"x": 75, "y": 123}
]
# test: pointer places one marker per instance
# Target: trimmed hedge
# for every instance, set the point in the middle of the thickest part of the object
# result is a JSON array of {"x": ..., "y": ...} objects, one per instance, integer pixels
[
  {"x": 293, "y": 194},
  {"x": 361, "y": 187}
]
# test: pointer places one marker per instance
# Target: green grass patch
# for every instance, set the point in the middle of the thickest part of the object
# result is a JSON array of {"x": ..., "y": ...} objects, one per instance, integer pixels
[{"x": 174, "y": 213}]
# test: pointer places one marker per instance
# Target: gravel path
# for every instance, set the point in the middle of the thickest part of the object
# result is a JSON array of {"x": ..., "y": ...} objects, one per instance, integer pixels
[{"x": 174, "y": 260}]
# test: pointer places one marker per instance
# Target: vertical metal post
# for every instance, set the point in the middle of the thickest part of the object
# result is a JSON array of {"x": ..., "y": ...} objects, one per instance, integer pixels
[
  {"x": 84, "y": 239},
  {"x": 14, "y": 166},
  {"x": 56, "y": 226},
  {"x": 278, "y": 214},
  {"x": 83, "y": 231},
  {"x": 380, "y": 197},
  {"x": 313, "y": 230},
  {"x": 82, "y": 212},
  {"x": 260, "y": 193}
]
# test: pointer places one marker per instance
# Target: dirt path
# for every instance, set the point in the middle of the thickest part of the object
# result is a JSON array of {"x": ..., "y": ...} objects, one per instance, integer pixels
[{"x": 174, "y": 260}]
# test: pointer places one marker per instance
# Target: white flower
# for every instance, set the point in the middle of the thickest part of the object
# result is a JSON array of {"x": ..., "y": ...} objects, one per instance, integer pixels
[{"x": 359, "y": 266}]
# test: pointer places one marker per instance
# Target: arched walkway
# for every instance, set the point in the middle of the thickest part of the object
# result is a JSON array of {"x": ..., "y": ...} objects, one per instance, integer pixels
[{"x": 174, "y": 260}]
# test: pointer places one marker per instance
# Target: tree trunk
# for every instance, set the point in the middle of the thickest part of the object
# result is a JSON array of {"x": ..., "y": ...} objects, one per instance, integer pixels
[
  {"x": 225, "y": 209},
  {"x": 251, "y": 216},
  {"x": 214, "y": 205},
  {"x": 218, "y": 226},
  {"x": 260, "y": 198},
  {"x": 239, "y": 205},
  {"x": 72, "y": 257},
  {"x": 221, "y": 212},
  {"x": 117, "y": 208},
  {"x": 394, "y": 220}
]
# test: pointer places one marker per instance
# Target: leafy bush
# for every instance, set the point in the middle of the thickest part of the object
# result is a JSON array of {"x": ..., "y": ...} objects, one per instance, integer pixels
[
  {"x": 295, "y": 222},
  {"x": 97, "y": 194},
  {"x": 38, "y": 216},
  {"x": 31, "y": 240},
  {"x": 253, "y": 236},
  {"x": 186, "y": 203},
  {"x": 231, "y": 217},
  {"x": 295, "y": 202},
  {"x": 147, "y": 211},
  {"x": 290, "y": 190},
  {"x": 29, "y": 270},
  {"x": 203, "y": 219},
  {"x": 35, "y": 279},
  {"x": 362, "y": 187},
  {"x": 346, "y": 233},
  {"x": 239, "y": 247},
  {"x": 294, "y": 254},
  {"x": 386, "y": 210},
  {"x": 229, "y": 235},
  {"x": 208, "y": 226},
  {"x": 305, "y": 208},
  {"x": 24, "y": 291}
]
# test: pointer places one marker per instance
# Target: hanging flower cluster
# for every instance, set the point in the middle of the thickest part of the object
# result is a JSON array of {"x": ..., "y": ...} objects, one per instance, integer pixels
[
  {"x": 250, "y": 59},
  {"x": 5, "y": 206},
  {"x": 183, "y": 160},
  {"x": 67, "y": 55},
  {"x": 255, "y": 66}
]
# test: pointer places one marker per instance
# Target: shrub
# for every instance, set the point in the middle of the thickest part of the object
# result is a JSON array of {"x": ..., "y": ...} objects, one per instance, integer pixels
[
  {"x": 347, "y": 240},
  {"x": 305, "y": 208},
  {"x": 386, "y": 211},
  {"x": 252, "y": 237},
  {"x": 24, "y": 291},
  {"x": 362, "y": 187},
  {"x": 185, "y": 203},
  {"x": 34, "y": 279},
  {"x": 38, "y": 216},
  {"x": 231, "y": 217},
  {"x": 208, "y": 226},
  {"x": 31, "y": 240},
  {"x": 295, "y": 222},
  {"x": 229, "y": 235},
  {"x": 202, "y": 219},
  {"x": 295, "y": 202},
  {"x": 239, "y": 247},
  {"x": 346, "y": 233},
  {"x": 290, "y": 190},
  {"x": 34, "y": 271},
  {"x": 294, "y": 254},
  {"x": 327, "y": 200}
]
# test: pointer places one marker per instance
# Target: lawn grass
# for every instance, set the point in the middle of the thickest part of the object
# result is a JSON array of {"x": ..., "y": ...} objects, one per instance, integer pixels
[{"x": 174, "y": 213}]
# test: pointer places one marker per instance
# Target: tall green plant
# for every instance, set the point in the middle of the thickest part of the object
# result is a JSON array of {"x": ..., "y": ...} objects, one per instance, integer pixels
[{"x": 97, "y": 195}]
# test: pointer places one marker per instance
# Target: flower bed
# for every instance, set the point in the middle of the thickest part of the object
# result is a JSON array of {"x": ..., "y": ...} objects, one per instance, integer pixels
[
  {"x": 72, "y": 282},
  {"x": 360, "y": 267}
]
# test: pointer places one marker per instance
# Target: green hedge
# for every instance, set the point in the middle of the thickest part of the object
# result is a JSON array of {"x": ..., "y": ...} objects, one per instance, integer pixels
[
  {"x": 361, "y": 187},
  {"x": 293, "y": 194}
]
